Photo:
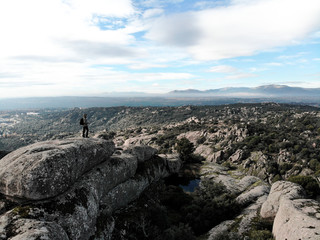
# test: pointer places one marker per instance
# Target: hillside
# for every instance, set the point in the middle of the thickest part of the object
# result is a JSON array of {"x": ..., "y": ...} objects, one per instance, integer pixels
[
  {"x": 243, "y": 165},
  {"x": 286, "y": 135},
  {"x": 231, "y": 95},
  {"x": 19, "y": 128},
  {"x": 267, "y": 91}
]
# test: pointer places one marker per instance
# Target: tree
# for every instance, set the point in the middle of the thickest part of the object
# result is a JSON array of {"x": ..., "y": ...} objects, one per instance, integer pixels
[{"x": 185, "y": 148}]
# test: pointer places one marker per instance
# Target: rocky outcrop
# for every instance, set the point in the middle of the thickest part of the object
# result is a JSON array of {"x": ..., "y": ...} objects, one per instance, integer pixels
[
  {"x": 192, "y": 136},
  {"x": 259, "y": 164},
  {"x": 142, "y": 139},
  {"x": 235, "y": 181},
  {"x": 297, "y": 219},
  {"x": 28, "y": 228},
  {"x": 236, "y": 157},
  {"x": 142, "y": 152},
  {"x": 207, "y": 152},
  {"x": 279, "y": 190},
  {"x": 97, "y": 187},
  {"x": 294, "y": 216},
  {"x": 46, "y": 169},
  {"x": 251, "y": 193}
]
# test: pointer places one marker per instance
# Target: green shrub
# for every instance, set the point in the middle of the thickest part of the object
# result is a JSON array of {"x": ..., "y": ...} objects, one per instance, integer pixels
[
  {"x": 185, "y": 148},
  {"x": 261, "y": 229},
  {"x": 201, "y": 140},
  {"x": 261, "y": 235},
  {"x": 308, "y": 183},
  {"x": 196, "y": 158},
  {"x": 179, "y": 232},
  {"x": 314, "y": 164},
  {"x": 227, "y": 236},
  {"x": 211, "y": 204},
  {"x": 175, "y": 197},
  {"x": 276, "y": 178}
]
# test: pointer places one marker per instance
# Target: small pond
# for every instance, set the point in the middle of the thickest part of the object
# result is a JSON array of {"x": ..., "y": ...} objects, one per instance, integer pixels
[
  {"x": 188, "y": 184},
  {"x": 191, "y": 186}
]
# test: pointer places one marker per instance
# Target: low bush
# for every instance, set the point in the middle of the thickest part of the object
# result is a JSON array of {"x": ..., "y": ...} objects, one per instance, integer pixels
[{"x": 309, "y": 184}]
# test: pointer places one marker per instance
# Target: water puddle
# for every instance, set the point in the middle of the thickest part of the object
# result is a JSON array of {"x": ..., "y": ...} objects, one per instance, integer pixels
[
  {"x": 191, "y": 186},
  {"x": 188, "y": 184}
]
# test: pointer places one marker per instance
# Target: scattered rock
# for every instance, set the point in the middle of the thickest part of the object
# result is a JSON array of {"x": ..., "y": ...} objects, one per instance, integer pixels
[
  {"x": 192, "y": 136},
  {"x": 306, "y": 172},
  {"x": 252, "y": 193},
  {"x": 173, "y": 162},
  {"x": 236, "y": 157},
  {"x": 143, "y": 139},
  {"x": 142, "y": 152}
]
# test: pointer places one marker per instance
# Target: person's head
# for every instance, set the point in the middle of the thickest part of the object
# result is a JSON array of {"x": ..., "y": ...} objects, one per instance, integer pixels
[{"x": 85, "y": 115}]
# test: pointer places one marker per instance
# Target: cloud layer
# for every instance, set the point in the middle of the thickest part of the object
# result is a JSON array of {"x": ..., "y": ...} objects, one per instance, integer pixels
[
  {"x": 75, "y": 47},
  {"x": 242, "y": 29}
]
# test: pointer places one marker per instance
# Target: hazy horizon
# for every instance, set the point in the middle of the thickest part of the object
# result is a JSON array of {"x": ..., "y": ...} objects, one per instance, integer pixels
[{"x": 89, "y": 48}]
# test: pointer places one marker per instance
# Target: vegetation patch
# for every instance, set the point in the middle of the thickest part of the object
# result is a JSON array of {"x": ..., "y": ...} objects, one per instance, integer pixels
[
  {"x": 261, "y": 229},
  {"x": 22, "y": 211},
  {"x": 309, "y": 184},
  {"x": 167, "y": 212}
]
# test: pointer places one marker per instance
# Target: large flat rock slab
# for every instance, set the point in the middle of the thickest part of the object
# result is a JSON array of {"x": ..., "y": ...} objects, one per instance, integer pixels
[
  {"x": 279, "y": 190},
  {"x": 297, "y": 219},
  {"x": 47, "y": 169}
]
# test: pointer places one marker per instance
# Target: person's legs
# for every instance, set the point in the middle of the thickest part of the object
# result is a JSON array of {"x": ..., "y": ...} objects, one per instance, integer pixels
[{"x": 85, "y": 131}]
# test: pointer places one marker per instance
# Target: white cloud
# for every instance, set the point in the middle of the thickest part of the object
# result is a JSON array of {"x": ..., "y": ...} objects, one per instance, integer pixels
[
  {"x": 147, "y": 77},
  {"x": 241, "y": 75},
  {"x": 140, "y": 66},
  {"x": 254, "y": 69},
  {"x": 274, "y": 64},
  {"x": 232, "y": 72},
  {"x": 286, "y": 57},
  {"x": 242, "y": 29},
  {"x": 154, "y": 12},
  {"x": 223, "y": 69},
  {"x": 38, "y": 27},
  {"x": 74, "y": 47}
]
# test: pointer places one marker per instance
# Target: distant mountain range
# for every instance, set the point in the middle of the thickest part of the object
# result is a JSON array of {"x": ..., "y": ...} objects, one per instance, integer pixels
[{"x": 268, "y": 93}]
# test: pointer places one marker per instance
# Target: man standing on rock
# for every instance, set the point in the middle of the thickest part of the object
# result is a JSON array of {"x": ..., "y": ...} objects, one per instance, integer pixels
[{"x": 84, "y": 123}]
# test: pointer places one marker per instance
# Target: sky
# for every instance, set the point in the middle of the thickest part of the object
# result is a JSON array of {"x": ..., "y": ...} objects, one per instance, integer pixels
[{"x": 95, "y": 47}]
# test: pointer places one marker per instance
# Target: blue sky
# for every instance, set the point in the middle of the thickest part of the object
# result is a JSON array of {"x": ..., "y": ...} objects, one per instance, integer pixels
[{"x": 93, "y": 47}]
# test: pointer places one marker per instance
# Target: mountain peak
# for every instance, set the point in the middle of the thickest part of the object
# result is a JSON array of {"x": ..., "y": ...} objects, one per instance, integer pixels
[{"x": 272, "y": 90}]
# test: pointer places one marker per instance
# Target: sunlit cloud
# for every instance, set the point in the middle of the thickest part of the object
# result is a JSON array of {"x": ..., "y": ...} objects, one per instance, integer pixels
[
  {"x": 83, "y": 47},
  {"x": 139, "y": 66},
  {"x": 242, "y": 29},
  {"x": 223, "y": 69},
  {"x": 241, "y": 76}
]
